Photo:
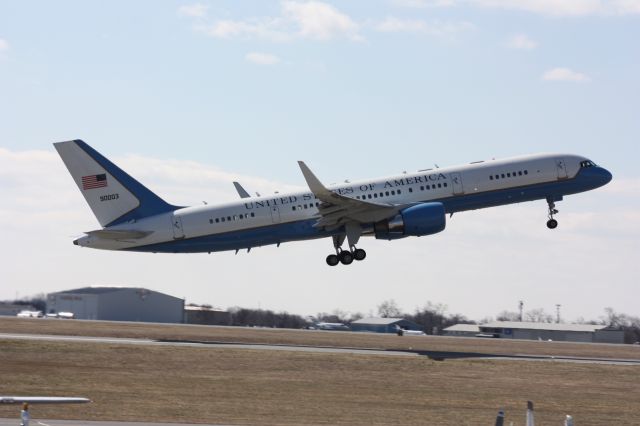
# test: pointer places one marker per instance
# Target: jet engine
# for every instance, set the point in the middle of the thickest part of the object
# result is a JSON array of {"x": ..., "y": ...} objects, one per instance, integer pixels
[{"x": 418, "y": 220}]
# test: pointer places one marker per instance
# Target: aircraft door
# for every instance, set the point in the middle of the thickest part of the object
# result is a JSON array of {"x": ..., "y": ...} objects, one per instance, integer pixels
[
  {"x": 275, "y": 214},
  {"x": 561, "y": 168},
  {"x": 176, "y": 225},
  {"x": 456, "y": 180}
]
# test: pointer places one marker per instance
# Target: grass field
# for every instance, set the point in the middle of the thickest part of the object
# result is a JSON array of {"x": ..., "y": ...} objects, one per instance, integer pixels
[{"x": 207, "y": 385}]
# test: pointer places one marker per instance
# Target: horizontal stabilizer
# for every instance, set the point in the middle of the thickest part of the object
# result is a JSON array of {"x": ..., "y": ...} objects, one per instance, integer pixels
[{"x": 109, "y": 234}]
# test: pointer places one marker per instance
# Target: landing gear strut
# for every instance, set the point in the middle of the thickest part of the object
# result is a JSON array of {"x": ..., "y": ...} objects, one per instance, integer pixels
[
  {"x": 346, "y": 257},
  {"x": 552, "y": 223}
]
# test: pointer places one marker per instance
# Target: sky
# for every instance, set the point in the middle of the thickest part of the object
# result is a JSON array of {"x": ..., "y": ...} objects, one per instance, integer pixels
[{"x": 189, "y": 96}]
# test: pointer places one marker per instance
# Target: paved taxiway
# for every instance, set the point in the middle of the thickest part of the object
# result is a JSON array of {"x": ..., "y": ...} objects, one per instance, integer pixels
[{"x": 440, "y": 356}]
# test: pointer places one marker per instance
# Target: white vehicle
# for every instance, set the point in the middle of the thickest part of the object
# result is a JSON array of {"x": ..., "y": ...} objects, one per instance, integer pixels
[
  {"x": 410, "y": 204},
  {"x": 29, "y": 314}
]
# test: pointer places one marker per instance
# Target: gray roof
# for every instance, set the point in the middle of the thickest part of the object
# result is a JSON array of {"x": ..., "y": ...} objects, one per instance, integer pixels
[
  {"x": 378, "y": 321},
  {"x": 95, "y": 290},
  {"x": 544, "y": 326},
  {"x": 474, "y": 328}
]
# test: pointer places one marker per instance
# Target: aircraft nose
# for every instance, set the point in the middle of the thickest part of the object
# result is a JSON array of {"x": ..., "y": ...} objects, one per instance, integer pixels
[{"x": 604, "y": 175}]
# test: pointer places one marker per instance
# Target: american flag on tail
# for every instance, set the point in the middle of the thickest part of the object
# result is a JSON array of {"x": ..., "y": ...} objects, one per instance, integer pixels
[{"x": 94, "y": 181}]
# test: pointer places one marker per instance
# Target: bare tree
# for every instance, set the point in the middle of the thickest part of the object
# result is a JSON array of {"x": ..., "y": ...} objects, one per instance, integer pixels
[
  {"x": 508, "y": 316},
  {"x": 389, "y": 309},
  {"x": 538, "y": 315}
]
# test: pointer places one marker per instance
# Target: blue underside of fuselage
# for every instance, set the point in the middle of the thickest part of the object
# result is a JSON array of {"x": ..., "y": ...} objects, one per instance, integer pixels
[{"x": 303, "y": 230}]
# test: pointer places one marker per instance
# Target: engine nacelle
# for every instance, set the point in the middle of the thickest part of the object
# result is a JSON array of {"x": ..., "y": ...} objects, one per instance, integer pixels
[{"x": 418, "y": 220}]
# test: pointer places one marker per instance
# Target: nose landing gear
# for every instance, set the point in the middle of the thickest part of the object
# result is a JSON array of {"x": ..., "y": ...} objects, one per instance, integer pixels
[{"x": 552, "y": 223}]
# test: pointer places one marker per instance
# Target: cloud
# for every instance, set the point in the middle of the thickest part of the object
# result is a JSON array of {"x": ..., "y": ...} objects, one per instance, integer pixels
[
  {"x": 309, "y": 20},
  {"x": 542, "y": 7},
  {"x": 437, "y": 28},
  {"x": 320, "y": 21},
  {"x": 4, "y": 47},
  {"x": 262, "y": 58},
  {"x": 565, "y": 7},
  {"x": 423, "y": 4},
  {"x": 521, "y": 42},
  {"x": 565, "y": 74},
  {"x": 196, "y": 10}
]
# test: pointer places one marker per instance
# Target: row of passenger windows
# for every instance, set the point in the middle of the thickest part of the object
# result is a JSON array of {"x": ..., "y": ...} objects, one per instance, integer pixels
[
  {"x": 508, "y": 175},
  {"x": 241, "y": 216},
  {"x": 305, "y": 206},
  {"x": 379, "y": 194}
]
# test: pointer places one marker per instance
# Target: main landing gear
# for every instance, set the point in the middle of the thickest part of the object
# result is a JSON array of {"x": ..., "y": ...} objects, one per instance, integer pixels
[
  {"x": 346, "y": 257},
  {"x": 552, "y": 223}
]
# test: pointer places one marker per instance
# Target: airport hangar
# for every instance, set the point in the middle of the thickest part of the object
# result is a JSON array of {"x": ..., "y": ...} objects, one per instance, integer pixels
[
  {"x": 117, "y": 304},
  {"x": 590, "y": 333}
]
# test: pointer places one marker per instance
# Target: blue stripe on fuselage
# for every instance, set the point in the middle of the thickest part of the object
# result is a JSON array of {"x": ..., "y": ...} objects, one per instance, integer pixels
[{"x": 585, "y": 180}]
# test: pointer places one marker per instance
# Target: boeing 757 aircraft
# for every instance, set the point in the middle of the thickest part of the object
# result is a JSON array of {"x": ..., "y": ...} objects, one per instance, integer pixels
[{"x": 410, "y": 204}]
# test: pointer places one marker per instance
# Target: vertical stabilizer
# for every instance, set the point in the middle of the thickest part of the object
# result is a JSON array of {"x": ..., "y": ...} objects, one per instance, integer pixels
[{"x": 113, "y": 195}]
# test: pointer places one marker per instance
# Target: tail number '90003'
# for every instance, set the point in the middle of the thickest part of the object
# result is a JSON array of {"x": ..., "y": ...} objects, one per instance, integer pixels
[{"x": 109, "y": 197}]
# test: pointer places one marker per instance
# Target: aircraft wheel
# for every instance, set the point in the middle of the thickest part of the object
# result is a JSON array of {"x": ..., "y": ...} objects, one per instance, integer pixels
[
  {"x": 346, "y": 258},
  {"x": 359, "y": 254},
  {"x": 332, "y": 260},
  {"x": 552, "y": 224}
]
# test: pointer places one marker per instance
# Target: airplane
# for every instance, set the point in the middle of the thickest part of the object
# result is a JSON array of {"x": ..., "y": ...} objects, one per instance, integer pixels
[{"x": 133, "y": 218}]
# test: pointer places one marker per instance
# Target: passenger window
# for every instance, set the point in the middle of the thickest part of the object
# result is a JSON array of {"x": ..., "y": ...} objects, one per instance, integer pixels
[
  {"x": 508, "y": 174},
  {"x": 399, "y": 191},
  {"x": 497, "y": 177},
  {"x": 502, "y": 175},
  {"x": 520, "y": 173},
  {"x": 217, "y": 220},
  {"x": 439, "y": 185},
  {"x": 526, "y": 172},
  {"x": 393, "y": 192},
  {"x": 375, "y": 195},
  {"x": 490, "y": 177},
  {"x": 387, "y": 193},
  {"x": 422, "y": 188},
  {"x": 228, "y": 218},
  {"x": 293, "y": 208},
  {"x": 369, "y": 196},
  {"x": 305, "y": 206},
  {"x": 223, "y": 219},
  {"x": 252, "y": 214},
  {"x": 445, "y": 184}
]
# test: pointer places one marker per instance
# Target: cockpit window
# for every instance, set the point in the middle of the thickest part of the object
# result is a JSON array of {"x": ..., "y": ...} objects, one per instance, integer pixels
[{"x": 587, "y": 163}]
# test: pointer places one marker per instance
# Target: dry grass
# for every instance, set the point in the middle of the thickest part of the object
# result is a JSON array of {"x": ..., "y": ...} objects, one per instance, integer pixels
[
  {"x": 314, "y": 338},
  {"x": 207, "y": 385}
]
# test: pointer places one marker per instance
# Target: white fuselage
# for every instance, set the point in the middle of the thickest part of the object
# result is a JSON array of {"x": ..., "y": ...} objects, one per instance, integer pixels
[{"x": 246, "y": 223}]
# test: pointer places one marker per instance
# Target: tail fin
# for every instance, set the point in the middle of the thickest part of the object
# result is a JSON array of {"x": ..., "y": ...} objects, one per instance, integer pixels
[{"x": 113, "y": 195}]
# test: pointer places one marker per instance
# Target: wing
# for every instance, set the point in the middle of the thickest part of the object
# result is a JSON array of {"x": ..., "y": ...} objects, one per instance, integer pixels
[
  {"x": 337, "y": 210},
  {"x": 41, "y": 400}
]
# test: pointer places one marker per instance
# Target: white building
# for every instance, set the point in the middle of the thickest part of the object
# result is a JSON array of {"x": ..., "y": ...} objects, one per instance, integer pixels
[
  {"x": 593, "y": 333},
  {"x": 117, "y": 304}
]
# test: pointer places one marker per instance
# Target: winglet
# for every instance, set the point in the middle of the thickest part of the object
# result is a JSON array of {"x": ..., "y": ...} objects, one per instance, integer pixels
[
  {"x": 314, "y": 183},
  {"x": 241, "y": 191}
]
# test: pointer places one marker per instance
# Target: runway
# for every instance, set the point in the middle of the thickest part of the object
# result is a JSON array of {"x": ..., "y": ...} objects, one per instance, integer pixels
[{"x": 435, "y": 355}]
